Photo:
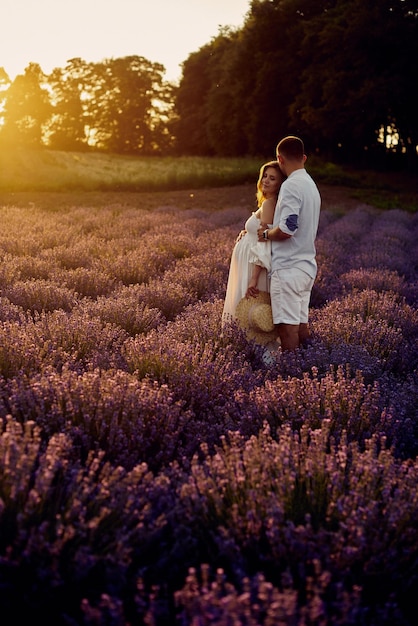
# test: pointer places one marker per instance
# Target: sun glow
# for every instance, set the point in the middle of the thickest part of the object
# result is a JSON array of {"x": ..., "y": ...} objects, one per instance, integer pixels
[
  {"x": 389, "y": 136},
  {"x": 163, "y": 31}
]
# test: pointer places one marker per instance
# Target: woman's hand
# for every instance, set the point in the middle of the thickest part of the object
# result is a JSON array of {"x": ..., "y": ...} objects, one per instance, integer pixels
[
  {"x": 241, "y": 235},
  {"x": 252, "y": 291}
]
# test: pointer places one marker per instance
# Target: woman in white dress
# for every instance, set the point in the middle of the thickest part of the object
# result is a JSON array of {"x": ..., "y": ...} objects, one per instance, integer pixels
[{"x": 250, "y": 259}]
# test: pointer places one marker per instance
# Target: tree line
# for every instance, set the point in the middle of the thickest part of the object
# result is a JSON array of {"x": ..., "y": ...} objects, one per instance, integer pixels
[
  {"x": 118, "y": 105},
  {"x": 341, "y": 73}
]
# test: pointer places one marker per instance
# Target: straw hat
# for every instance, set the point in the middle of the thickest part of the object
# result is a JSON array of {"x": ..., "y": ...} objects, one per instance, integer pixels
[{"x": 254, "y": 314}]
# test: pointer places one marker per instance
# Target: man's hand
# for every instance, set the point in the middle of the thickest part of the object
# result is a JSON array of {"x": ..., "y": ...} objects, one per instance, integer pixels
[{"x": 261, "y": 230}]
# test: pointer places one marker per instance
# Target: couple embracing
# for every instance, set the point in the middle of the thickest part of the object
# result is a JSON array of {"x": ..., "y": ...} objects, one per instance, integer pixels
[{"x": 274, "y": 258}]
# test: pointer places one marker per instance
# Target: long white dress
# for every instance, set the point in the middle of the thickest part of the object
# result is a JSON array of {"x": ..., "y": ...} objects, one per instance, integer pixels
[{"x": 247, "y": 252}]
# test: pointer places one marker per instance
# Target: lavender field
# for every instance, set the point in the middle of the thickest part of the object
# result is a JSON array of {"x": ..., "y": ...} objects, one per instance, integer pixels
[{"x": 154, "y": 471}]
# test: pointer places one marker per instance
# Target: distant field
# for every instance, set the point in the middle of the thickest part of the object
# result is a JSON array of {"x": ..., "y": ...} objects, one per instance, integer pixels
[
  {"x": 33, "y": 171},
  {"x": 46, "y": 170}
]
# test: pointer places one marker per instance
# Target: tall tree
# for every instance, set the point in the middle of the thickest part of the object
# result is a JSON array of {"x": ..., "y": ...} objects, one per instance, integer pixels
[
  {"x": 359, "y": 77},
  {"x": 341, "y": 73},
  {"x": 191, "y": 104},
  {"x": 27, "y": 108},
  {"x": 4, "y": 85},
  {"x": 225, "y": 116},
  {"x": 70, "y": 121},
  {"x": 130, "y": 106},
  {"x": 268, "y": 68},
  {"x": 247, "y": 81}
]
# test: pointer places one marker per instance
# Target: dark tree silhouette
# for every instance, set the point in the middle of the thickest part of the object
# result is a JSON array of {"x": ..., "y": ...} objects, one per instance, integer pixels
[
  {"x": 342, "y": 73},
  {"x": 70, "y": 121},
  {"x": 26, "y": 108},
  {"x": 358, "y": 81},
  {"x": 130, "y": 106},
  {"x": 191, "y": 104}
]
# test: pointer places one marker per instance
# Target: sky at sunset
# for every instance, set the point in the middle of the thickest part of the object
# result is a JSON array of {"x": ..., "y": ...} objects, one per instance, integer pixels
[{"x": 50, "y": 32}]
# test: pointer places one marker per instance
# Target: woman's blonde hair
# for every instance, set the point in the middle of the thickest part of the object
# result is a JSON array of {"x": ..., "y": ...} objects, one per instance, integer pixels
[{"x": 260, "y": 195}]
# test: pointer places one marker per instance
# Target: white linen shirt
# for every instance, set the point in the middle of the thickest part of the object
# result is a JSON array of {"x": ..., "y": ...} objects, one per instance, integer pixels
[{"x": 297, "y": 214}]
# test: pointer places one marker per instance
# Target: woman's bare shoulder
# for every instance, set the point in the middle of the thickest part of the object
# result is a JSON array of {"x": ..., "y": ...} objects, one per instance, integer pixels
[{"x": 267, "y": 210}]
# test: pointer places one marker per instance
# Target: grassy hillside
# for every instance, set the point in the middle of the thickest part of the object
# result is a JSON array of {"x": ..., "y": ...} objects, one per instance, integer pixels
[
  {"x": 47, "y": 170},
  {"x": 55, "y": 171}
]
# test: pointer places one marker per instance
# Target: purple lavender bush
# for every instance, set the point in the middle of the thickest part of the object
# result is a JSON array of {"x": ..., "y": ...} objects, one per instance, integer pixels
[{"x": 153, "y": 469}]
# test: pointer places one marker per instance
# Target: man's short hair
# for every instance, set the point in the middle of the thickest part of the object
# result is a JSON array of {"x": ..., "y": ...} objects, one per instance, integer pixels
[{"x": 291, "y": 148}]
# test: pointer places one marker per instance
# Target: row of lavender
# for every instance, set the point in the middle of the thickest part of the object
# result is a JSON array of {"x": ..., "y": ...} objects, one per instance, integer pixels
[{"x": 155, "y": 471}]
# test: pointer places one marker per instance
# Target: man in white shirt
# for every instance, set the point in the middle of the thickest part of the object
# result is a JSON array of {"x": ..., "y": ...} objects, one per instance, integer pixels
[{"x": 295, "y": 225}]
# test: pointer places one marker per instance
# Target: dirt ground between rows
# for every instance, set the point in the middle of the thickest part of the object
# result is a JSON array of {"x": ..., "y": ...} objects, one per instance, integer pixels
[{"x": 217, "y": 198}]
